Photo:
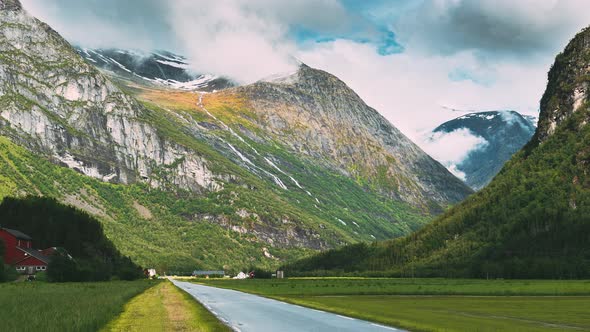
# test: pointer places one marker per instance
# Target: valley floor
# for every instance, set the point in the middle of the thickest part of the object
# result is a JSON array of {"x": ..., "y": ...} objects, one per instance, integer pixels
[{"x": 437, "y": 304}]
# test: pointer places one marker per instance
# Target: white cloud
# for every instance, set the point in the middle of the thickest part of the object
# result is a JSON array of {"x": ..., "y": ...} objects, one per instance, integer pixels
[
  {"x": 492, "y": 27},
  {"x": 249, "y": 39},
  {"x": 452, "y": 148},
  {"x": 410, "y": 89},
  {"x": 453, "y": 168},
  {"x": 226, "y": 38},
  {"x": 131, "y": 24},
  {"x": 243, "y": 39},
  {"x": 455, "y": 146}
]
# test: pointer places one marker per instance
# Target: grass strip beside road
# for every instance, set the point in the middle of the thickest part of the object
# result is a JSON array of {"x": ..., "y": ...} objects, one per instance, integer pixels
[
  {"x": 436, "y": 304},
  {"x": 165, "y": 308}
]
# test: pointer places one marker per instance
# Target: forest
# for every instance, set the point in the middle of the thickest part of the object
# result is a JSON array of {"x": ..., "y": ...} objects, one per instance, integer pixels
[{"x": 74, "y": 233}]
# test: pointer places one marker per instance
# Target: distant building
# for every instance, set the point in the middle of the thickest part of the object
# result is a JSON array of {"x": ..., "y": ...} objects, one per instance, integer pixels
[
  {"x": 20, "y": 253},
  {"x": 150, "y": 273},
  {"x": 280, "y": 274}
]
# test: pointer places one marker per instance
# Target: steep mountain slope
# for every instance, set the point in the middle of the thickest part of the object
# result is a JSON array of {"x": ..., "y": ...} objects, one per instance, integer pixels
[
  {"x": 158, "y": 68},
  {"x": 501, "y": 134},
  {"x": 182, "y": 179},
  {"x": 532, "y": 221},
  {"x": 318, "y": 117}
]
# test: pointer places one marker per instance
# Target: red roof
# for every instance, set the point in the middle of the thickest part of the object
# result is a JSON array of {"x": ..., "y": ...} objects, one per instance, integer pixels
[
  {"x": 31, "y": 261},
  {"x": 34, "y": 253},
  {"x": 17, "y": 234}
]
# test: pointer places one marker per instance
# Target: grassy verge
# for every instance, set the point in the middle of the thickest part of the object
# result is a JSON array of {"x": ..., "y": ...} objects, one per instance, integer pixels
[
  {"x": 64, "y": 307},
  {"x": 165, "y": 308},
  {"x": 437, "y": 304},
  {"x": 388, "y": 286}
]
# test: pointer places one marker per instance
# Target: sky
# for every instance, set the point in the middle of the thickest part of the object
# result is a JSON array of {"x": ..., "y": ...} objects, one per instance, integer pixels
[{"x": 418, "y": 62}]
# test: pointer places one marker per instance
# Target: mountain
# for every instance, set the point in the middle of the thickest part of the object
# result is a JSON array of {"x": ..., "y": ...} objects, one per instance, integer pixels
[
  {"x": 158, "y": 68},
  {"x": 251, "y": 175},
  {"x": 498, "y": 135},
  {"x": 316, "y": 115},
  {"x": 531, "y": 221}
]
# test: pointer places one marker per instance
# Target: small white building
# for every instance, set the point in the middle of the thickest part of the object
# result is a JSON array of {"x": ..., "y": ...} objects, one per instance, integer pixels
[
  {"x": 150, "y": 273},
  {"x": 241, "y": 275}
]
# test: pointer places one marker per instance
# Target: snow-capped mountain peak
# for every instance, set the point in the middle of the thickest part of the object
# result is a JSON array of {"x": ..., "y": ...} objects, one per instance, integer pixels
[{"x": 159, "y": 68}]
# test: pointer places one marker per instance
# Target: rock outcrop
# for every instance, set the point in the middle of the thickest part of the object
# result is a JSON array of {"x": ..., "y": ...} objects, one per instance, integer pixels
[
  {"x": 55, "y": 103},
  {"x": 568, "y": 87}
]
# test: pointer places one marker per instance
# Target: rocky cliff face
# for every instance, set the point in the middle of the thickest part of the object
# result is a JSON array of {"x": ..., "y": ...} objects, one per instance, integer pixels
[
  {"x": 56, "y": 104},
  {"x": 567, "y": 91},
  {"x": 10, "y": 5},
  {"x": 319, "y": 117}
]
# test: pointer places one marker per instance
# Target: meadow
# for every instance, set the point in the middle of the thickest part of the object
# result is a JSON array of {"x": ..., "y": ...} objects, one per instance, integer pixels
[
  {"x": 437, "y": 304},
  {"x": 40, "y": 306},
  {"x": 415, "y": 286},
  {"x": 165, "y": 308}
]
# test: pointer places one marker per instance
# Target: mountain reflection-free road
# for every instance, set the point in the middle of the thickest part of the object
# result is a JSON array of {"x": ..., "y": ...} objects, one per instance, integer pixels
[{"x": 250, "y": 313}]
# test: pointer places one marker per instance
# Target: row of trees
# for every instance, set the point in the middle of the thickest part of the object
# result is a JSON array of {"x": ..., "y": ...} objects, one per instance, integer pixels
[{"x": 87, "y": 254}]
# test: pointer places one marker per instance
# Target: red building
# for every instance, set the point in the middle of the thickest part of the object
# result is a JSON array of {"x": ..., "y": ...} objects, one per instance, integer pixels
[{"x": 20, "y": 253}]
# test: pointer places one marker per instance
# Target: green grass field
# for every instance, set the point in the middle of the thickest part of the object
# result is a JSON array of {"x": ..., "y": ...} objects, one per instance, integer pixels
[
  {"x": 438, "y": 304},
  {"x": 165, "y": 308},
  {"x": 51, "y": 307},
  {"x": 384, "y": 286}
]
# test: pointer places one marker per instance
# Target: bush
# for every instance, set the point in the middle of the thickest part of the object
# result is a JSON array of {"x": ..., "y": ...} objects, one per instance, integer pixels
[
  {"x": 62, "y": 269},
  {"x": 260, "y": 273}
]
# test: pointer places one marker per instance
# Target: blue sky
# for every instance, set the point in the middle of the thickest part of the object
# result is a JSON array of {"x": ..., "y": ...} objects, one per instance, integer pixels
[{"x": 412, "y": 60}]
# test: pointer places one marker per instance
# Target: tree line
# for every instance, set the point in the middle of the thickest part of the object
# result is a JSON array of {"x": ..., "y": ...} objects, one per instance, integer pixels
[{"x": 84, "y": 252}]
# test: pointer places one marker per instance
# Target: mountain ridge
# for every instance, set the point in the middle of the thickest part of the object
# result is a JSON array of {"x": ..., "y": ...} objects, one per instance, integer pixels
[
  {"x": 160, "y": 68},
  {"x": 175, "y": 184},
  {"x": 351, "y": 134}
]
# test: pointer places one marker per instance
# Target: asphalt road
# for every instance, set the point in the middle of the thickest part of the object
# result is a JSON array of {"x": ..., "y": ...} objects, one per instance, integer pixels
[{"x": 250, "y": 313}]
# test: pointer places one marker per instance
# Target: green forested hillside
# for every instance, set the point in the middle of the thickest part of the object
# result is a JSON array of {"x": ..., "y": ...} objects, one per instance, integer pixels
[
  {"x": 152, "y": 237},
  {"x": 532, "y": 221}
]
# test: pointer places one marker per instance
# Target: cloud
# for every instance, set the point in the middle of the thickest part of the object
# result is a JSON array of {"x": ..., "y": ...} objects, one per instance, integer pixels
[
  {"x": 243, "y": 39},
  {"x": 231, "y": 38},
  {"x": 130, "y": 24},
  {"x": 521, "y": 28},
  {"x": 410, "y": 89},
  {"x": 452, "y": 148}
]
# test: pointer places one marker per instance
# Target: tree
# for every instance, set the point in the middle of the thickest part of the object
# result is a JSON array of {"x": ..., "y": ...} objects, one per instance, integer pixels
[
  {"x": 2, "y": 268},
  {"x": 62, "y": 269},
  {"x": 80, "y": 235}
]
